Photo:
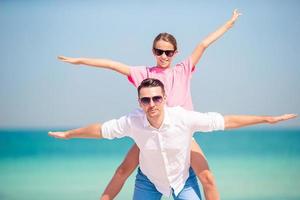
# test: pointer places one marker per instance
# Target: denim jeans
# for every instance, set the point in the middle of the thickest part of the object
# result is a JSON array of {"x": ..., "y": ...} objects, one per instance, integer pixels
[{"x": 145, "y": 190}]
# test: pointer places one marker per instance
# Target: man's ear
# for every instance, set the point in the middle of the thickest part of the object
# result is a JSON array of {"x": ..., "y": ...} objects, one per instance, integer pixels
[
  {"x": 140, "y": 104},
  {"x": 165, "y": 97}
]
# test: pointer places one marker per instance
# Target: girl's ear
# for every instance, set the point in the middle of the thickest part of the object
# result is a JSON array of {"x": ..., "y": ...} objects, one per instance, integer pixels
[{"x": 153, "y": 52}]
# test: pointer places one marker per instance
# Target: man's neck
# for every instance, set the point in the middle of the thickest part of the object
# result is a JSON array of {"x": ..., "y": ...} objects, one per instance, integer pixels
[{"x": 157, "y": 121}]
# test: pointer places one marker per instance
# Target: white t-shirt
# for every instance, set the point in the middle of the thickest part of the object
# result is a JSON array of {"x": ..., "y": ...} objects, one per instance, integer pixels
[{"x": 165, "y": 152}]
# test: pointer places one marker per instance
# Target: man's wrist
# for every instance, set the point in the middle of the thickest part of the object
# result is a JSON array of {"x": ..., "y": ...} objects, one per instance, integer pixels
[
  {"x": 267, "y": 119},
  {"x": 68, "y": 134}
]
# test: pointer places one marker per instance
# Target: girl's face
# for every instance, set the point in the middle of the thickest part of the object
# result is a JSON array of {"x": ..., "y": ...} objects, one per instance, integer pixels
[{"x": 164, "y": 53}]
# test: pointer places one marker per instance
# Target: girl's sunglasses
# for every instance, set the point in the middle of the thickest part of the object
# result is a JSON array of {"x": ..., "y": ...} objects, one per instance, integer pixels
[
  {"x": 159, "y": 52},
  {"x": 156, "y": 100}
]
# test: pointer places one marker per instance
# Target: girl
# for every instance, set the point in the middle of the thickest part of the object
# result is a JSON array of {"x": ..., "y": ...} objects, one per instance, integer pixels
[{"x": 177, "y": 86}]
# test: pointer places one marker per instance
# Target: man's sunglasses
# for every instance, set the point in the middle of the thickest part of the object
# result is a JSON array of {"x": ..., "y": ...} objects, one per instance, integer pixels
[
  {"x": 156, "y": 100},
  {"x": 159, "y": 52}
]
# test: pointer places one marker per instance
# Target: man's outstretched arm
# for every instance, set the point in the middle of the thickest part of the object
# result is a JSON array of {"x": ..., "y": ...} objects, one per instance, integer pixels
[
  {"x": 90, "y": 131},
  {"x": 237, "y": 121}
]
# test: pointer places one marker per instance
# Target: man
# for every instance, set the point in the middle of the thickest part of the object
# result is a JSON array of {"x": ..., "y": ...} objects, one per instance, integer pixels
[{"x": 164, "y": 137}]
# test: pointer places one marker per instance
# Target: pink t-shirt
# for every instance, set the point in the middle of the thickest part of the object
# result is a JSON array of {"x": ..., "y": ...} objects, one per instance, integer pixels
[{"x": 177, "y": 81}]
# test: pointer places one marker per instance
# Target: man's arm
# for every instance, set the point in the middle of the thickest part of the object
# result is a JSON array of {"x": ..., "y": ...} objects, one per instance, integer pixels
[
  {"x": 91, "y": 131},
  {"x": 237, "y": 121},
  {"x": 199, "y": 50},
  {"x": 101, "y": 63}
]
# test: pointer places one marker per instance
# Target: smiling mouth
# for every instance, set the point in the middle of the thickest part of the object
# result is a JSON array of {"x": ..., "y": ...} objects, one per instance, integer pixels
[{"x": 164, "y": 62}]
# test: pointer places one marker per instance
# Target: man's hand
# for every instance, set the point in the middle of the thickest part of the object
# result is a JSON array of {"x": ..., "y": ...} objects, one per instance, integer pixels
[
  {"x": 61, "y": 135},
  {"x": 275, "y": 119}
]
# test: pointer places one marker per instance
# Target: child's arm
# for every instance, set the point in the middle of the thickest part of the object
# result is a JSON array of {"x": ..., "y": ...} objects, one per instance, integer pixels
[
  {"x": 128, "y": 165},
  {"x": 199, "y": 50},
  {"x": 204, "y": 174},
  {"x": 102, "y": 63}
]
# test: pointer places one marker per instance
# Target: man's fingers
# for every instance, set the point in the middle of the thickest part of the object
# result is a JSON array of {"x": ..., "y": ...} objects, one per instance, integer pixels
[
  {"x": 50, "y": 133},
  {"x": 57, "y": 134},
  {"x": 289, "y": 116}
]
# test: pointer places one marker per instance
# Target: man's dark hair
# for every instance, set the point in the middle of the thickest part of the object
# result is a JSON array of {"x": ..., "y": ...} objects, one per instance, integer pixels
[{"x": 151, "y": 82}]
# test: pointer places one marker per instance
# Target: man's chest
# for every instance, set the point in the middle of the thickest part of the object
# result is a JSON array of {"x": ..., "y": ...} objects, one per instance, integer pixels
[{"x": 169, "y": 138}]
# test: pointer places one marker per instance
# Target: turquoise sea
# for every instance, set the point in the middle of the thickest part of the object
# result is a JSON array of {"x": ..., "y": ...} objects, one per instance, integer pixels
[{"x": 248, "y": 164}]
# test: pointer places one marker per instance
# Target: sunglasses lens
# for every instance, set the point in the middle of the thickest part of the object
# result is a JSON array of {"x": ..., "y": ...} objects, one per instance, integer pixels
[
  {"x": 158, "y": 52},
  {"x": 145, "y": 100},
  {"x": 157, "y": 99},
  {"x": 169, "y": 53}
]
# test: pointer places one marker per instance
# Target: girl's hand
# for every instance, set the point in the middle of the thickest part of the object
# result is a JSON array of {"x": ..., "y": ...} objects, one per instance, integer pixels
[
  {"x": 234, "y": 17},
  {"x": 75, "y": 61}
]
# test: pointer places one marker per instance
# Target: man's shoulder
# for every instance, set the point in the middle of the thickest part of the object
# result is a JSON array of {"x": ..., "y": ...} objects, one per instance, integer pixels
[
  {"x": 177, "y": 110},
  {"x": 136, "y": 113}
]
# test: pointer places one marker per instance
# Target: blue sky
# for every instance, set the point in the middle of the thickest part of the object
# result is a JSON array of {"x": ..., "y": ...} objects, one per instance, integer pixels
[{"x": 253, "y": 69}]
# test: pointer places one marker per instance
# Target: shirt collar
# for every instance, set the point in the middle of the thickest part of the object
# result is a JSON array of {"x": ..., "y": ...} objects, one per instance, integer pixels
[{"x": 157, "y": 69}]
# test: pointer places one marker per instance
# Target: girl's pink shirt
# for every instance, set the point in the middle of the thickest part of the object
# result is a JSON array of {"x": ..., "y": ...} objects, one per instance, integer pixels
[{"x": 177, "y": 81}]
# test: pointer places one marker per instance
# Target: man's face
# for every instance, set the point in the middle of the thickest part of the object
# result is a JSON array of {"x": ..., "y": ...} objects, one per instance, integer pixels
[{"x": 152, "y": 101}]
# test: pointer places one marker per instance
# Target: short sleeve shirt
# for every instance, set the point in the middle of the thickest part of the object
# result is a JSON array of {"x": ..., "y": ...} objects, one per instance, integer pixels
[{"x": 177, "y": 81}]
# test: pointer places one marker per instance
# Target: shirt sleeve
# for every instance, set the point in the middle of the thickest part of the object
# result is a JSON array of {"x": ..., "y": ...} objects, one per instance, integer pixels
[
  {"x": 137, "y": 75},
  {"x": 205, "y": 122},
  {"x": 186, "y": 67},
  {"x": 116, "y": 128}
]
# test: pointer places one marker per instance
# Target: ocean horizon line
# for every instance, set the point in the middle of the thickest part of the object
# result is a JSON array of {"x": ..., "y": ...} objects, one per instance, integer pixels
[{"x": 61, "y": 128}]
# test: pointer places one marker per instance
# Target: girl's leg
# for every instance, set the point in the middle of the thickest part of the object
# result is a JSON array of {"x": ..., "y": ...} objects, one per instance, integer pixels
[
  {"x": 191, "y": 189},
  {"x": 200, "y": 167},
  {"x": 144, "y": 189},
  {"x": 128, "y": 165}
]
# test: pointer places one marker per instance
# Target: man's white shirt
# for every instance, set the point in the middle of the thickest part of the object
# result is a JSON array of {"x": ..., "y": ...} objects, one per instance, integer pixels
[{"x": 165, "y": 152}]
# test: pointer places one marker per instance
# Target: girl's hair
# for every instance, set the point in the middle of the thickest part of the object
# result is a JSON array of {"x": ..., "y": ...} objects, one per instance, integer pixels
[{"x": 165, "y": 37}]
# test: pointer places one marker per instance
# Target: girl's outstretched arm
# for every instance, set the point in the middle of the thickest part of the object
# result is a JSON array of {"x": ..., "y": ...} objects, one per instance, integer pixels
[
  {"x": 102, "y": 63},
  {"x": 199, "y": 50}
]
